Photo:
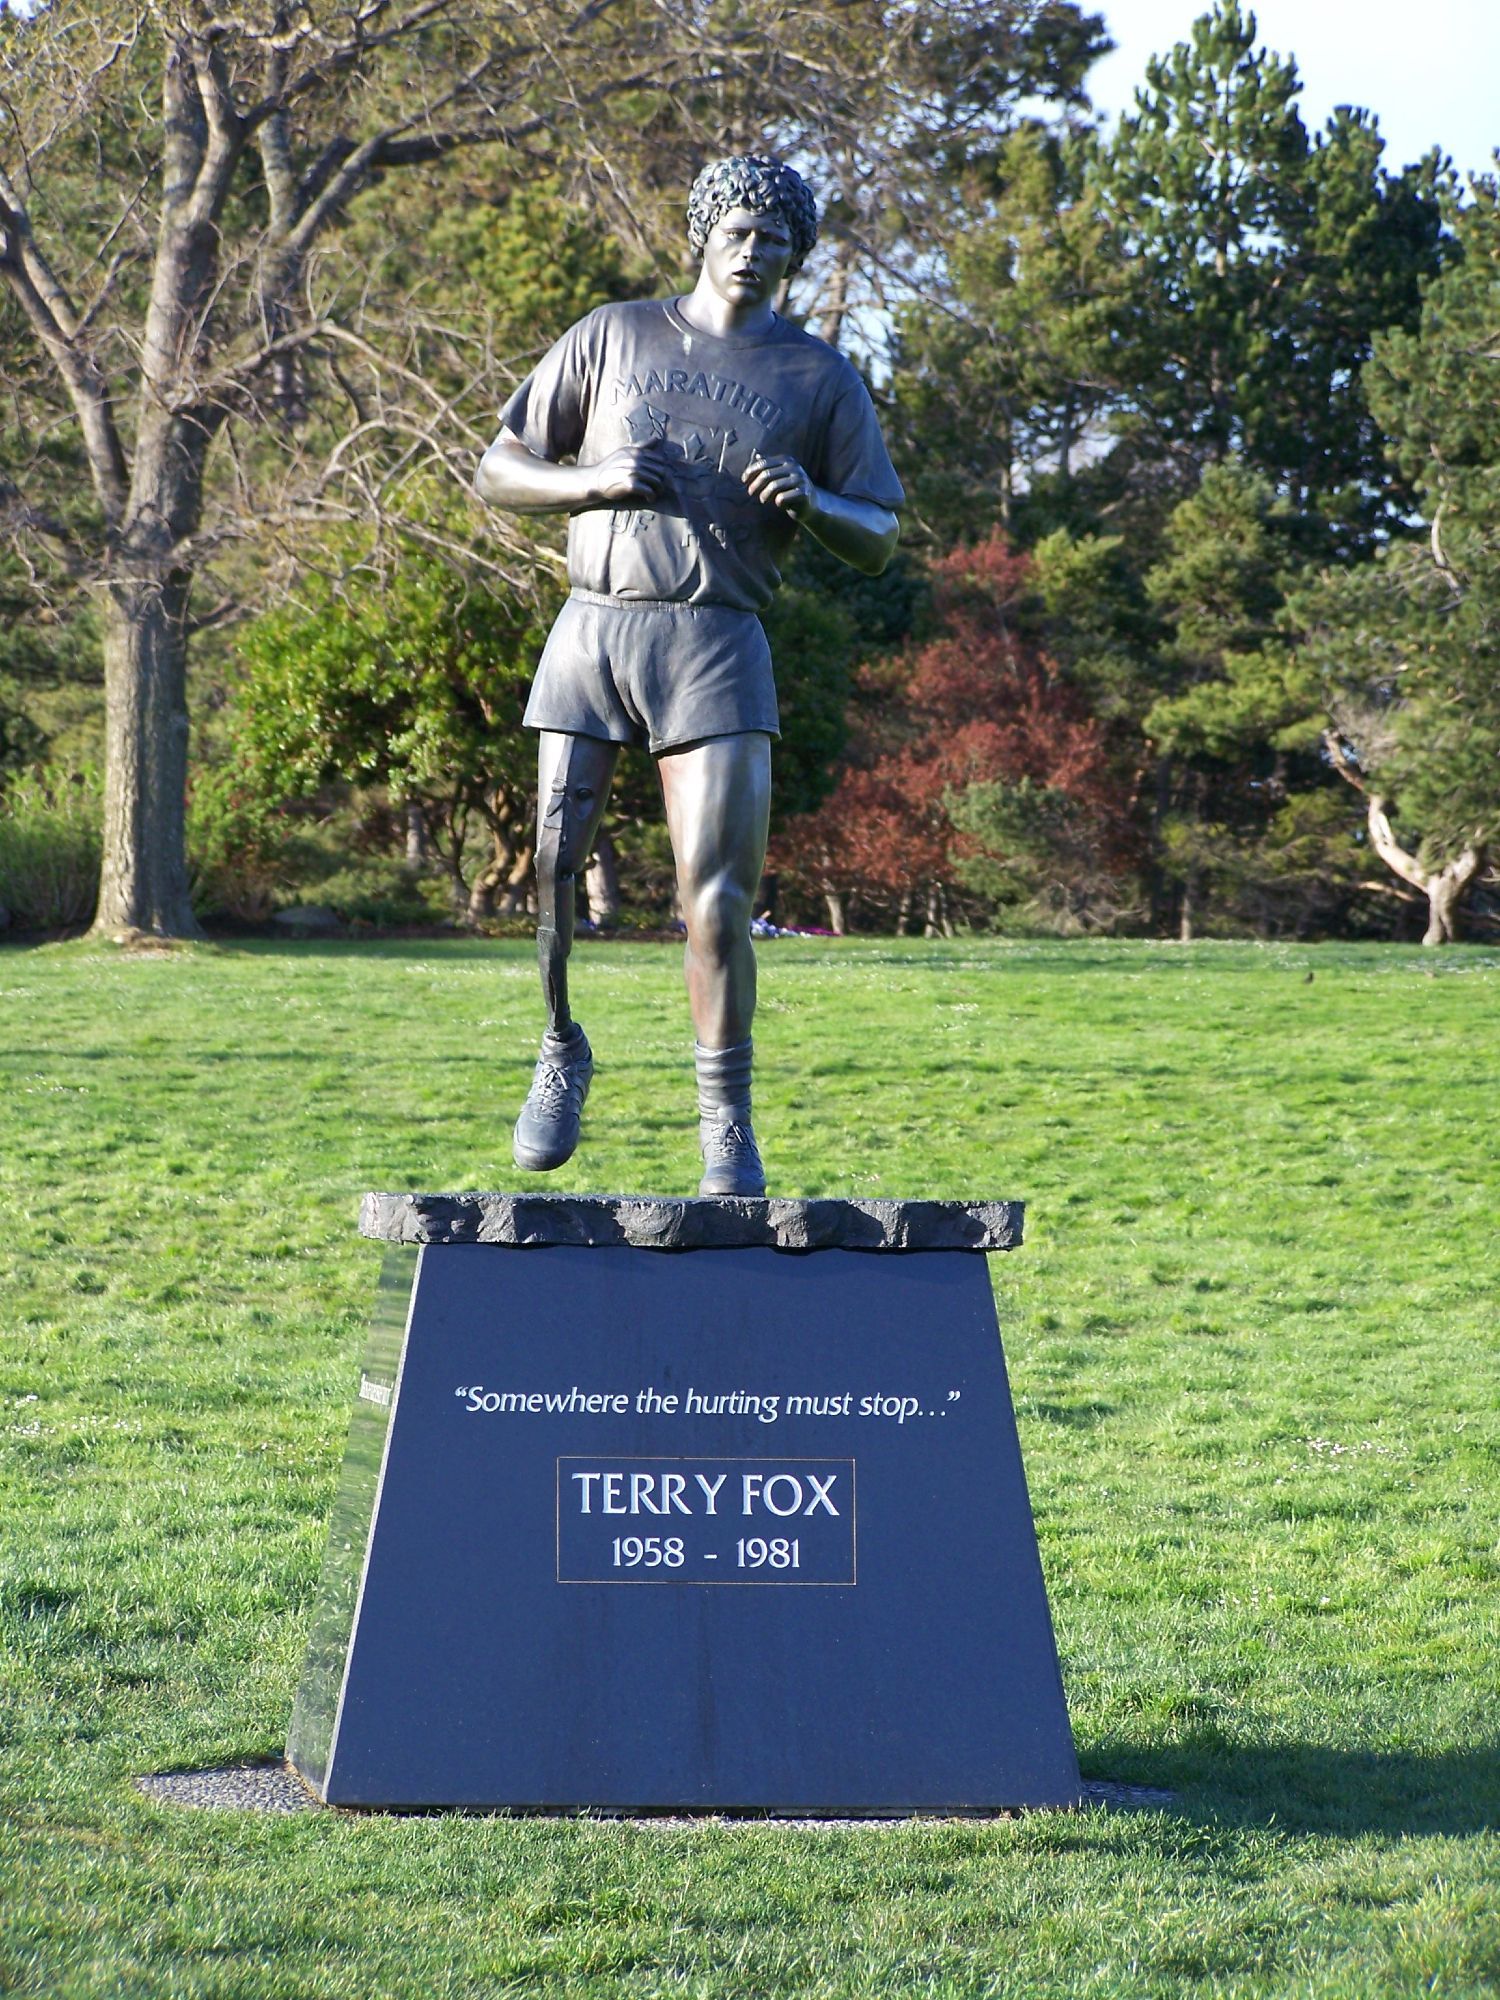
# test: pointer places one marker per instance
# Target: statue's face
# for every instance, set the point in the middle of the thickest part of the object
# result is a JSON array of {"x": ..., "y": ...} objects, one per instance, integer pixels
[{"x": 746, "y": 256}]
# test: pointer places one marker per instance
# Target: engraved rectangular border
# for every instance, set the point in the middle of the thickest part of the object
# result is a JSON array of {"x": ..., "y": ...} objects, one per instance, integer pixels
[{"x": 714, "y": 1458}]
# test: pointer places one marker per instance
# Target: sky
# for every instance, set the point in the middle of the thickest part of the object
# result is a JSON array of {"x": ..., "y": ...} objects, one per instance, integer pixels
[{"x": 1428, "y": 69}]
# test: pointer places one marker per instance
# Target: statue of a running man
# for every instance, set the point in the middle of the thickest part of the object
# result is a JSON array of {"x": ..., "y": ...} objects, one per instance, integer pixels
[{"x": 688, "y": 439}]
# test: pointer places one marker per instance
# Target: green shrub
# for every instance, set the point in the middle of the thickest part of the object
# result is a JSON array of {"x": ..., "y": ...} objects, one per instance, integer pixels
[
  {"x": 379, "y": 890},
  {"x": 22, "y": 744},
  {"x": 237, "y": 842},
  {"x": 50, "y": 846}
]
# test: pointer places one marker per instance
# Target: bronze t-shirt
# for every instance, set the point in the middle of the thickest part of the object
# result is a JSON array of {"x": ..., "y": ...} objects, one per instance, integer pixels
[{"x": 628, "y": 373}]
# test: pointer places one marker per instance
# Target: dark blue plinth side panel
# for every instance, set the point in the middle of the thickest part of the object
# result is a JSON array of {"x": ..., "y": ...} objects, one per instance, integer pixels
[{"x": 719, "y": 1529}]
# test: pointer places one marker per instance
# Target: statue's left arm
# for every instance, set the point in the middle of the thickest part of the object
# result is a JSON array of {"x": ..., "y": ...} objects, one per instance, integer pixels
[{"x": 857, "y": 531}]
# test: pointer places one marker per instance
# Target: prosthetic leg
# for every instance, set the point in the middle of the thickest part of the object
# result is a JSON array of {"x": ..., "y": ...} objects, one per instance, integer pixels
[{"x": 574, "y": 776}]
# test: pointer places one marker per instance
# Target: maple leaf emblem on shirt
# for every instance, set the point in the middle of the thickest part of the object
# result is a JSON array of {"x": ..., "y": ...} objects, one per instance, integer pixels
[{"x": 644, "y": 423}]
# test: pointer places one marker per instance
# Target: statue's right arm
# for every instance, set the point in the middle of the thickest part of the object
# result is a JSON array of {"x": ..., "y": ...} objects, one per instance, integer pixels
[{"x": 512, "y": 476}]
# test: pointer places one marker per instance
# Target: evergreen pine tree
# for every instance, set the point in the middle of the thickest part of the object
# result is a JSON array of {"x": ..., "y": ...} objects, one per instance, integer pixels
[
  {"x": 1261, "y": 263},
  {"x": 1409, "y": 646}
]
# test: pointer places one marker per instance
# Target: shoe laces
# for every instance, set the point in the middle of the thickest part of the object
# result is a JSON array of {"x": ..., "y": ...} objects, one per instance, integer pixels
[
  {"x": 731, "y": 1141},
  {"x": 554, "y": 1083}
]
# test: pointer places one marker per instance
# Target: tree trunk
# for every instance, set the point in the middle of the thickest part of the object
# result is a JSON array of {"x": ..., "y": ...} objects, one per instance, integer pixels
[
  {"x": 1444, "y": 894},
  {"x": 603, "y": 885},
  {"x": 143, "y": 887},
  {"x": 144, "y": 880},
  {"x": 1185, "y": 914},
  {"x": 1159, "y": 882},
  {"x": 835, "y": 302},
  {"x": 481, "y": 902},
  {"x": 1443, "y": 887},
  {"x": 418, "y": 840},
  {"x": 1007, "y": 474},
  {"x": 509, "y": 820},
  {"x": 512, "y": 900},
  {"x": 498, "y": 888},
  {"x": 835, "y": 904},
  {"x": 1065, "y": 441},
  {"x": 450, "y": 847}
]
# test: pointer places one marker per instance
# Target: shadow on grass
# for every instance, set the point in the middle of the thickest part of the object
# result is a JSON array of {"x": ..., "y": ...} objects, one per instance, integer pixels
[
  {"x": 1315, "y": 1788},
  {"x": 381, "y": 945}
]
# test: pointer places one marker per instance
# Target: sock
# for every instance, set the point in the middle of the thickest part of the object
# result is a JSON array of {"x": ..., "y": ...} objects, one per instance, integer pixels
[
  {"x": 724, "y": 1083},
  {"x": 562, "y": 1045}
]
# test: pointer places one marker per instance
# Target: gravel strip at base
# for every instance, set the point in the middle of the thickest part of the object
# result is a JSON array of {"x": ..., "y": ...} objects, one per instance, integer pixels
[
  {"x": 276, "y": 1788},
  {"x": 232, "y": 1788}
]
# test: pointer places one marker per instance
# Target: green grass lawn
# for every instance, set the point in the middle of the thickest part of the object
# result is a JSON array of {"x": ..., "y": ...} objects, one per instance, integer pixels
[{"x": 1252, "y": 1339}]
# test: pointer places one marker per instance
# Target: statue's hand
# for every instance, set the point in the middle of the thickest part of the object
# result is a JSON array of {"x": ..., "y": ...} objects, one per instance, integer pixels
[
  {"x": 636, "y": 473},
  {"x": 780, "y": 482}
]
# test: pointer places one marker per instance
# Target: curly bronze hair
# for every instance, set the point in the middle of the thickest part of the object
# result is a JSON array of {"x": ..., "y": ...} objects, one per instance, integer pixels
[{"x": 765, "y": 187}]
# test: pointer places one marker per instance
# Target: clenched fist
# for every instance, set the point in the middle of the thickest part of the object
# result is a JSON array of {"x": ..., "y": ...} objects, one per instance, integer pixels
[
  {"x": 780, "y": 482},
  {"x": 635, "y": 474}
]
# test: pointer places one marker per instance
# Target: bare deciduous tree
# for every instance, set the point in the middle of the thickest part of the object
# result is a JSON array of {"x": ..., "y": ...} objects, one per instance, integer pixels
[
  {"x": 169, "y": 174},
  {"x": 172, "y": 175}
]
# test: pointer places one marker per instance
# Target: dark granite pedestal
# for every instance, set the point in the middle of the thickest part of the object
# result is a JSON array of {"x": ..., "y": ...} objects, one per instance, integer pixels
[{"x": 738, "y": 1527}]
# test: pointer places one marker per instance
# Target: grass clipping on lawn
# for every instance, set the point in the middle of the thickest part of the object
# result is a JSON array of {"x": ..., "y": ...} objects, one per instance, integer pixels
[{"x": 1252, "y": 1340}]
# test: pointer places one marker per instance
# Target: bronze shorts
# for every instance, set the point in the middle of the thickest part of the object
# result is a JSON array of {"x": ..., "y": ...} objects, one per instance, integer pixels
[{"x": 643, "y": 671}]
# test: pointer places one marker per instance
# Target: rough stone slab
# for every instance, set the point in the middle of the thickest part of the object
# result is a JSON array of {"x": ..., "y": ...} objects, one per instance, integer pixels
[{"x": 647, "y": 1222}]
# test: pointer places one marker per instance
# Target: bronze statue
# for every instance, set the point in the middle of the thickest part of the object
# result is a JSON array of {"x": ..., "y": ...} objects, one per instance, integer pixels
[{"x": 689, "y": 440}]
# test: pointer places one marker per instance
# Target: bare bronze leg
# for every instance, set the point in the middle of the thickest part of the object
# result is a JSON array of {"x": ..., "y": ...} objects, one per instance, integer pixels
[
  {"x": 718, "y": 796},
  {"x": 573, "y": 779}
]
